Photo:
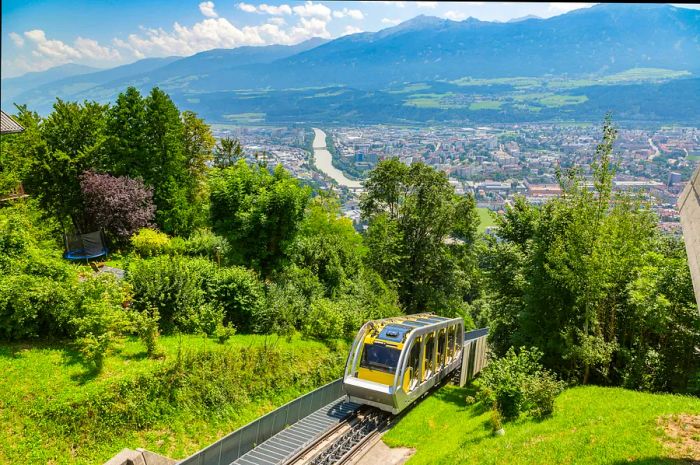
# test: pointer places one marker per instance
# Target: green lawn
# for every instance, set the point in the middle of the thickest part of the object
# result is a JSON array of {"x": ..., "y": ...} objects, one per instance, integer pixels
[
  {"x": 38, "y": 377},
  {"x": 591, "y": 425},
  {"x": 485, "y": 219}
]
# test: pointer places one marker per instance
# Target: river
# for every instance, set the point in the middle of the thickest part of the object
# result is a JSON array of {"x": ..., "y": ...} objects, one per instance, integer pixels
[{"x": 324, "y": 162}]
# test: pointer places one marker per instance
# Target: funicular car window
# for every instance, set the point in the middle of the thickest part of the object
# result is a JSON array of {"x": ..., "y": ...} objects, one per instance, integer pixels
[{"x": 380, "y": 357}]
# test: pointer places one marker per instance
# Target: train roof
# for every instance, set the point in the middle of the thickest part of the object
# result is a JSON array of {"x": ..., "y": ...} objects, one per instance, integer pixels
[{"x": 395, "y": 329}]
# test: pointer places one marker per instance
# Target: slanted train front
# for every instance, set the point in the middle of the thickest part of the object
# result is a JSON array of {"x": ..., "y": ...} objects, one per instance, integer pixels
[{"x": 394, "y": 361}]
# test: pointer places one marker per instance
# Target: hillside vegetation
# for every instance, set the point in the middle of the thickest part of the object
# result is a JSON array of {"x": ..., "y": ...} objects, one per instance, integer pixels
[
  {"x": 221, "y": 252},
  {"x": 591, "y": 425},
  {"x": 54, "y": 410}
]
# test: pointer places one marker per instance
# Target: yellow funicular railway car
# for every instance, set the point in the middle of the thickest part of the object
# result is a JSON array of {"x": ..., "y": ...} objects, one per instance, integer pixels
[{"x": 395, "y": 361}]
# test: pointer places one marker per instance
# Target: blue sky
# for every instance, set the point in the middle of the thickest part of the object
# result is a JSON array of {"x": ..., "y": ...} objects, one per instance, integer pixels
[{"x": 39, "y": 34}]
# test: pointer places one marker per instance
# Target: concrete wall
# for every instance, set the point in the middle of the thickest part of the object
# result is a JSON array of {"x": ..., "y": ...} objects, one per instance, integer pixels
[{"x": 689, "y": 206}]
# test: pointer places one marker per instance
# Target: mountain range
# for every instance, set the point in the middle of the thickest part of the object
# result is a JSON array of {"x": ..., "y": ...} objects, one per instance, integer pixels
[{"x": 426, "y": 69}]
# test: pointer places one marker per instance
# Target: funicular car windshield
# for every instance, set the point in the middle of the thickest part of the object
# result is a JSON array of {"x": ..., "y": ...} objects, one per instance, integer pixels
[{"x": 380, "y": 357}]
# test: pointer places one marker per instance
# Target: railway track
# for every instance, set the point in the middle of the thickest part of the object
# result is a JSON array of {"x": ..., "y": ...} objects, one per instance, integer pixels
[{"x": 346, "y": 441}]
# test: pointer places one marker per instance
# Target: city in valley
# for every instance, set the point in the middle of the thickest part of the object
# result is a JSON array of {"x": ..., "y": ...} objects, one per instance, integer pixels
[{"x": 494, "y": 163}]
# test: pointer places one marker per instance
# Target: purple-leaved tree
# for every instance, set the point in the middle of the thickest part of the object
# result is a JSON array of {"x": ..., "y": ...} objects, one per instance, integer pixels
[{"x": 118, "y": 204}]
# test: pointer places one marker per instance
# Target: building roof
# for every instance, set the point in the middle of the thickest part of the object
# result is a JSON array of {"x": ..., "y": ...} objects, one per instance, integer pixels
[{"x": 8, "y": 125}]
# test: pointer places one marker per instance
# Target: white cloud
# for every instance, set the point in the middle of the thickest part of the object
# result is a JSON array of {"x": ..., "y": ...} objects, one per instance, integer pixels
[
  {"x": 456, "y": 15},
  {"x": 89, "y": 48},
  {"x": 248, "y": 8},
  {"x": 46, "y": 53},
  {"x": 559, "y": 8},
  {"x": 220, "y": 33},
  {"x": 16, "y": 38},
  {"x": 313, "y": 10},
  {"x": 354, "y": 14},
  {"x": 207, "y": 9},
  {"x": 308, "y": 28},
  {"x": 275, "y": 10},
  {"x": 391, "y": 22},
  {"x": 428, "y": 5},
  {"x": 351, "y": 30},
  {"x": 396, "y": 4}
]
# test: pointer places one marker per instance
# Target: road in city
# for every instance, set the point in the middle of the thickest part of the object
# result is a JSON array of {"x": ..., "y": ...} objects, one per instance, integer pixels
[{"x": 324, "y": 162}]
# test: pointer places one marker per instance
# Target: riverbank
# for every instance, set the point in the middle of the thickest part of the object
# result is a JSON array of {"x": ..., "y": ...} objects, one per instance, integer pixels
[{"x": 324, "y": 162}]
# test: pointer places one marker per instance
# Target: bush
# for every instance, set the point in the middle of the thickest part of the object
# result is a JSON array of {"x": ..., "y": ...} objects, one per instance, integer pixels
[
  {"x": 172, "y": 285},
  {"x": 176, "y": 246},
  {"x": 325, "y": 320},
  {"x": 224, "y": 332},
  {"x": 517, "y": 383},
  {"x": 99, "y": 319},
  {"x": 205, "y": 243},
  {"x": 120, "y": 205},
  {"x": 540, "y": 392},
  {"x": 145, "y": 324},
  {"x": 34, "y": 306},
  {"x": 288, "y": 302},
  {"x": 239, "y": 292},
  {"x": 149, "y": 242}
]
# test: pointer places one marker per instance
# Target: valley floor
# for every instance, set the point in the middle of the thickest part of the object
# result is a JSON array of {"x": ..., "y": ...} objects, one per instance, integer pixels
[{"x": 591, "y": 425}]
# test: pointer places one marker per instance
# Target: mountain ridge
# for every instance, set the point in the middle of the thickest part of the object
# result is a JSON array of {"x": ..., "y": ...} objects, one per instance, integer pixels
[{"x": 602, "y": 40}]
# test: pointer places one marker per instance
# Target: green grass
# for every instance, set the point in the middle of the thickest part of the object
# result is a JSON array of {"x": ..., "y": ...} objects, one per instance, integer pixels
[
  {"x": 591, "y": 425},
  {"x": 432, "y": 101},
  {"x": 38, "y": 377},
  {"x": 485, "y": 219},
  {"x": 693, "y": 157},
  {"x": 485, "y": 105}
]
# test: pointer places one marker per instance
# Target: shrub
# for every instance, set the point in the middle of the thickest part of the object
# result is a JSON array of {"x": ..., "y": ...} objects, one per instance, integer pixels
[
  {"x": 145, "y": 324},
  {"x": 517, "y": 383},
  {"x": 176, "y": 246},
  {"x": 539, "y": 393},
  {"x": 99, "y": 319},
  {"x": 34, "y": 306},
  {"x": 172, "y": 285},
  {"x": 149, "y": 242},
  {"x": 207, "y": 244},
  {"x": 288, "y": 302},
  {"x": 120, "y": 205},
  {"x": 239, "y": 292},
  {"x": 224, "y": 332},
  {"x": 325, "y": 320}
]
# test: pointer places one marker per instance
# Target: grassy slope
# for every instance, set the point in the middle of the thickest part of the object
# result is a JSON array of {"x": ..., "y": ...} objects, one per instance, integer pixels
[
  {"x": 591, "y": 425},
  {"x": 38, "y": 375},
  {"x": 485, "y": 219}
]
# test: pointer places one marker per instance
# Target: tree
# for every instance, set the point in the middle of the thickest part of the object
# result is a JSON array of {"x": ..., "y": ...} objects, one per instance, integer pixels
[
  {"x": 61, "y": 147},
  {"x": 127, "y": 145},
  {"x": 120, "y": 205},
  {"x": 580, "y": 279},
  {"x": 412, "y": 212},
  {"x": 328, "y": 245},
  {"x": 20, "y": 150},
  {"x": 198, "y": 144},
  {"x": 148, "y": 139},
  {"x": 258, "y": 211},
  {"x": 227, "y": 152}
]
